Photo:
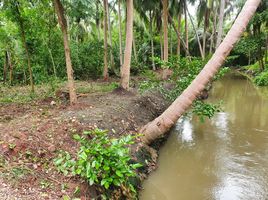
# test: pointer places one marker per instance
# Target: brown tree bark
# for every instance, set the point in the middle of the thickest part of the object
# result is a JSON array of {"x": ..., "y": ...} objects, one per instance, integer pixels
[
  {"x": 165, "y": 31},
  {"x": 120, "y": 34},
  {"x": 63, "y": 24},
  {"x": 164, "y": 122},
  {"x": 125, "y": 73},
  {"x": 152, "y": 39},
  {"x": 105, "y": 70},
  {"x": 179, "y": 35}
]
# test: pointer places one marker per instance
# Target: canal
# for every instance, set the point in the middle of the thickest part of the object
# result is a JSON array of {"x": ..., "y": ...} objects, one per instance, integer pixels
[{"x": 225, "y": 158}]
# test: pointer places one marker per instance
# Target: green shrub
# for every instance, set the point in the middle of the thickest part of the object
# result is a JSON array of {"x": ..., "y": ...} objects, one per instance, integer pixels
[
  {"x": 261, "y": 79},
  {"x": 101, "y": 161}
]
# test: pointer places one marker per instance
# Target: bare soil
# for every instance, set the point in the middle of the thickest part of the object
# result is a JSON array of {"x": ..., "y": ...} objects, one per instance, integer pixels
[{"x": 31, "y": 134}]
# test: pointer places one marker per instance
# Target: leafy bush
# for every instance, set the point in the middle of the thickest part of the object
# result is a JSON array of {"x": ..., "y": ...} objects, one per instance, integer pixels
[
  {"x": 101, "y": 160},
  {"x": 261, "y": 79}
]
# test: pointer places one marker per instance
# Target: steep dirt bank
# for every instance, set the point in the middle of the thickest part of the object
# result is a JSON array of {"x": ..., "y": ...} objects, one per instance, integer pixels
[{"x": 32, "y": 133}]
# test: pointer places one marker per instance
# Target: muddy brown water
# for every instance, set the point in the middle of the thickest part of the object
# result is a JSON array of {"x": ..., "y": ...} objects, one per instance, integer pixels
[{"x": 225, "y": 158}]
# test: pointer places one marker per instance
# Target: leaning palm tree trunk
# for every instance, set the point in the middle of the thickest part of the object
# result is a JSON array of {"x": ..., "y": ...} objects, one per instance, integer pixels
[{"x": 164, "y": 122}]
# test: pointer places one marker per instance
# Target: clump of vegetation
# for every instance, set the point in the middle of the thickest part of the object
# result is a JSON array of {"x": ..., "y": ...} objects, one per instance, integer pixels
[
  {"x": 261, "y": 79},
  {"x": 184, "y": 72},
  {"x": 101, "y": 161},
  {"x": 202, "y": 109}
]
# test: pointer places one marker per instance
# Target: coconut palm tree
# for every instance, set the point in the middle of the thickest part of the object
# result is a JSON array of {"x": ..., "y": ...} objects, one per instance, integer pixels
[
  {"x": 165, "y": 30},
  {"x": 105, "y": 21},
  {"x": 165, "y": 121},
  {"x": 125, "y": 69}
]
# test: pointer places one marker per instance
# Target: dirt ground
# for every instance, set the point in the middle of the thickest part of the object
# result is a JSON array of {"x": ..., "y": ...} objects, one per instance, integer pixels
[{"x": 31, "y": 134}]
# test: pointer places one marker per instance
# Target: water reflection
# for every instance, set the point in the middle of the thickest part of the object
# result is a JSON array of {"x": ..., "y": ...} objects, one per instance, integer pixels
[{"x": 225, "y": 158}]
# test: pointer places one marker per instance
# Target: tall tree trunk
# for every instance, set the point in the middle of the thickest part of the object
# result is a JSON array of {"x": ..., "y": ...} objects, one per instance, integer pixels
[
  {"x": 170, "y": 42},
  {"x": 212, "y": 38},
  {"x": 196, "y": 35},
  {"x": 125, "y": 74},
  {"x": 186, "y": 26},
  {"x": 63, "y": 24},
  {"x": 97, "y": 19},
  {"x": 220, "y": 24},
  {"x": 179, "y": 35},
  {"x": 9, "y": 59},
  {"x": 105, "y": 70},
  {"x": 110, "y": 37},
  {"x": 5, "y": 67},
  {"x": 134, "y": 48},
  {"x": 152, "y": 39},
  {"x": 21, "y": 24},
  {"x": 161, "y": 44},
  {"x": 206, "y": 23},
  {"x": 164, "y": 122},
  {"x": 165, "y": 30},
  {"x": 120, "y": 34}
]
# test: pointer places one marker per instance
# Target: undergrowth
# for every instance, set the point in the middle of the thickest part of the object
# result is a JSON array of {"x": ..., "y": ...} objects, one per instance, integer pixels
[{"x": 102, "y": 161}]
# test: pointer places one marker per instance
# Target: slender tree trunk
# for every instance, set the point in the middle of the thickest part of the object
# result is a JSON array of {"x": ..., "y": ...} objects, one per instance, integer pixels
[
  {"x": 179, "y": 35},
  {"x": 176, "y": 31},
  {"x": 120, "y": 34},
  {"x": 105, "y": 70},
  {"x": 165, "y": 30},
  {"x": 206, "y": 23},
  {"x": 10, "y": 67},
  {"x": 196, "y": 35},
  {"x": 152, "y": 40},
  {"x": 170, "y": 43},
  {"x": 161, "y": 45},
  {"x": 110, "y": 36},
  {"x": 134, "y": 48},
  {"x": 97, "y": 19},
  {"x": 186, "y": 26},
  {"x": 220, "y": 24},
  {"x": 164, "y": 122},
  {"x": 21, "y": 24},
  {"x": 5, "y": 67},
  {"x": 212, "y": 38},
  {"x": 28, "y": 59},
  {"x": 63, "y": 24},
  {"x": 125, "y": 74},
  {"x": 52, "y": 60},
  {"x": 266, "y": 49}
]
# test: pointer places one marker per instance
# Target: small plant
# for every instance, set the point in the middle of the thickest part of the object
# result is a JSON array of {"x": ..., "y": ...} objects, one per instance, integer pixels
[
  {"x": 101, "y": 161},
  {"x": 203, "y": 109}
]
